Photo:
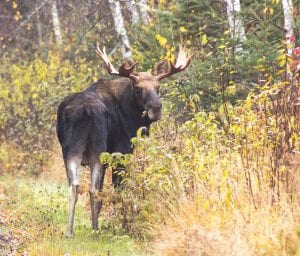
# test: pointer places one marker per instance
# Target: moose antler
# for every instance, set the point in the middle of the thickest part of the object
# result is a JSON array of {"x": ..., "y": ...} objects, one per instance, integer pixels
[
  {"x": 182, "y": 62},
  {"x": 125, "y": 69}
]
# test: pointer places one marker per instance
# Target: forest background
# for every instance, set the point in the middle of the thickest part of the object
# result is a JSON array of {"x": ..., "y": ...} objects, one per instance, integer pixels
[{"x": 218, "y": 173}]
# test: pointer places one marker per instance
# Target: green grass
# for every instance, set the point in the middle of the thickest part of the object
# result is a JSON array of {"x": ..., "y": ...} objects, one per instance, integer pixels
[
  {"x": 37, "y": 209},
  {"x": 85, "y": 244}
]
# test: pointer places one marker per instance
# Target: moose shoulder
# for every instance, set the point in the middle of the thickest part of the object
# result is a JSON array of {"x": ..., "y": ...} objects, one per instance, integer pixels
[{"x": 104, "y": 118}]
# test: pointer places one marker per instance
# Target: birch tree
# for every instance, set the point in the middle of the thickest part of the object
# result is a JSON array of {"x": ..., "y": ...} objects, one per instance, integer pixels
[
  {"x": 56, "y": 25},
  {"x": 144, "y": 11},
  {"x": 38, "y": 24},
  {"x": 236, "y": 27},
  {"x": 131, "y": 6},
  {"x": 120, "y": 28},
  {"x": 289, "y": 25}
]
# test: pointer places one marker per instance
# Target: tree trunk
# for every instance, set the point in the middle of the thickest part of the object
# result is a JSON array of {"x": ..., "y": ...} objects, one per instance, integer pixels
[
  {"x": 120, "y": 28},
  {"x": 235, "y": 22},
  {"x": 131, "y": 6},
  {"x": 38, "y": 24},
  {"x": 287, "y": 7},
  {"x": 55, "y": 21},
  {"x": 143, "y": 11}
]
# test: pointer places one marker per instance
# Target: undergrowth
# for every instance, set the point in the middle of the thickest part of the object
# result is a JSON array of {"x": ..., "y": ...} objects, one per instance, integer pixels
[
  {"x": 191, "y": 195},
  {"x": 210, "y": 186}
]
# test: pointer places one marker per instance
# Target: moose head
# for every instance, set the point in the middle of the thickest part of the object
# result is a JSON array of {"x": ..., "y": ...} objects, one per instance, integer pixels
[{"x": 146, "y": 84}]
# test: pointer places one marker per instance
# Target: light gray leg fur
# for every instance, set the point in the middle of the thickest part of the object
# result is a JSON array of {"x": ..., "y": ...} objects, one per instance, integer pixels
[
  {"x": 97, "y": 178},
  {"x": 73, "y": 178}
]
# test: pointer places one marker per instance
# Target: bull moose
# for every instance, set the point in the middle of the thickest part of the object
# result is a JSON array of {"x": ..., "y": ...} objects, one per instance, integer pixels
[{"x": 104, "y": 117}]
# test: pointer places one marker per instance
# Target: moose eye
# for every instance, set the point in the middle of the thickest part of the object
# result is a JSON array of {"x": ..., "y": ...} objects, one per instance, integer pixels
[{"x": 157, "y": 90}]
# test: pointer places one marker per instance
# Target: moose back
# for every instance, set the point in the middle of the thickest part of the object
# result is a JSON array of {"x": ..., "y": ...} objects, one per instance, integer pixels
[{"x": 104, "y": 118}]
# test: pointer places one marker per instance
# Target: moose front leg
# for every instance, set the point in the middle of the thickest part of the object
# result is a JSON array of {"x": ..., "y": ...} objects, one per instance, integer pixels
[{"x": 97, "y": 179}]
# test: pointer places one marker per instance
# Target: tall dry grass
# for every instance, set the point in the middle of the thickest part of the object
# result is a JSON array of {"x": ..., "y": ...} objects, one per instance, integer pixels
[{"x": 206, "y": 225}]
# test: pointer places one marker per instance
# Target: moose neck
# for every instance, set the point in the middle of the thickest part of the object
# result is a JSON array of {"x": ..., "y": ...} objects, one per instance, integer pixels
[
  {"x": 120, "y": 93},
  {"x": 123, "y": 92}
]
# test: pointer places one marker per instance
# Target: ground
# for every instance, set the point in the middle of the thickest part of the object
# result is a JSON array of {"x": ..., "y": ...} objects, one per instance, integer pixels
[{"x": 33, "y": 217}]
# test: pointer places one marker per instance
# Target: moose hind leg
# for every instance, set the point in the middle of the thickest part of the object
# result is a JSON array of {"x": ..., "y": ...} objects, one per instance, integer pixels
[
  {"x": 73, "y": 168},
  {"x": 97, "y": 178}
]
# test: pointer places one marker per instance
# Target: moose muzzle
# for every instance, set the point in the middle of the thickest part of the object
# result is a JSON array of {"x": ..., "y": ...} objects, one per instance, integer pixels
[{"x": 154, "y": 110}]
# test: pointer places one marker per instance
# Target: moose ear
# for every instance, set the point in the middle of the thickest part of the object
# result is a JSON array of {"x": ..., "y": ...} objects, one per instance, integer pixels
[
  {"x": 160, "y": 68},
  {"x": 130, "y": 64}
]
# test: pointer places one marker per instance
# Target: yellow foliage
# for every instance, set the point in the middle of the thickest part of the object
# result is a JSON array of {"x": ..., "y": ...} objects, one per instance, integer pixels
[
  {"x": 14, "y": 5},
  {"x": 204, "y": 39},
  {"x": 269, "y": 11},
  {"x": 17, "y": 16},
  {"x": 161, "y": 40},
  {"x": 182, "y": 29}
]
